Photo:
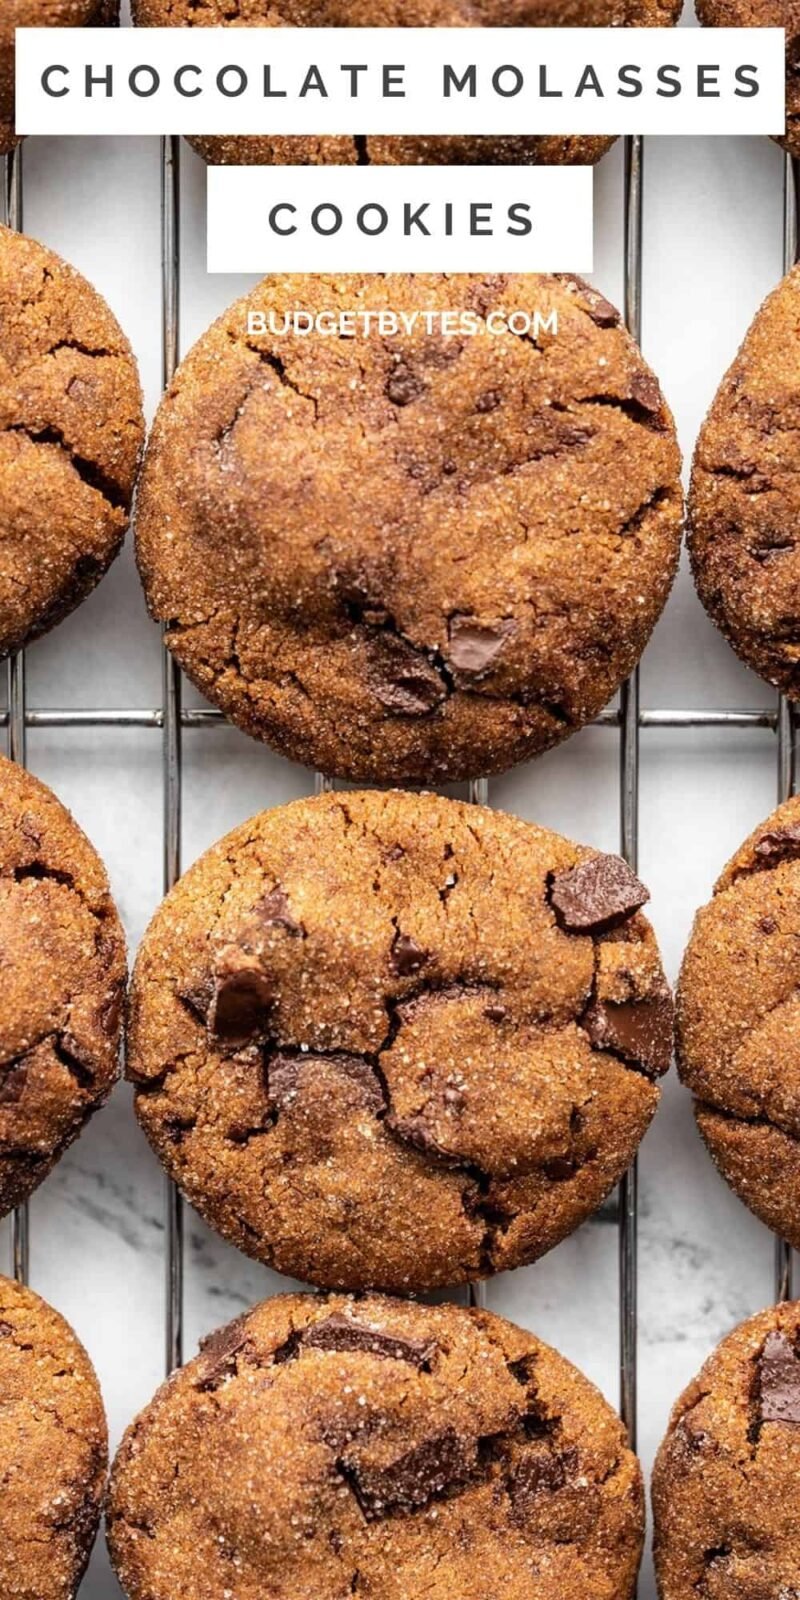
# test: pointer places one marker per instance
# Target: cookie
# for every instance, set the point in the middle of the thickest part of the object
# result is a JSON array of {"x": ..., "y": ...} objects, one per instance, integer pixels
[
  {"x": 403, "y": 150},
  {"x": 725, "y": 1483},
  {"x": 738, "y": 1039},
  {"x": 744, "y": 499},
  {"x": 41, "y": 14},
  {"x": 71, "y": 434},
  {"x": 416, "y": 558},
  {"x": 764, "y": 14},
  {"x": 53, "y": 1450},
  {"x": 62, "y": 953},
  {"x": 329, "y": 1447},
  {"x": 395, "y": 1040}
]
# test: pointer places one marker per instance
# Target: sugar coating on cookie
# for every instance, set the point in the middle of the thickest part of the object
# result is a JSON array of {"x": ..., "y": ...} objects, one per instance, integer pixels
[
  {"x": 326, "y": 1447},
  {"x": 71, "y": 435},
  {"x": 398, "y": 1041},
  {"x": 412, "y": 558},
  {"x": 40, "y": 14},
  {"x": 63, "y": 963},
  {"x": 744, "y": 499},
  {"x": 53, "y": 1450},
  {"x": 738, "y": 1030},
  {"x": 725, "y": 1497},
  {"x": 764, "y": 14}
]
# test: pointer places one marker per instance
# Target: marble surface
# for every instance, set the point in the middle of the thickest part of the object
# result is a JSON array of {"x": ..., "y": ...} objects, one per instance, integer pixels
[{"x": 713, "y": 219}]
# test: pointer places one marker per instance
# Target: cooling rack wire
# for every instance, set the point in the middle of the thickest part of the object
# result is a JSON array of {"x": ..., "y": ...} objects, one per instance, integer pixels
[{"x": 171, "y": 720}]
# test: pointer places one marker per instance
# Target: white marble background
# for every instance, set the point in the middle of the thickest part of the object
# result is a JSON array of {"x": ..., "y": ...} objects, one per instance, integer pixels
[{"x": 713, "y": 243}]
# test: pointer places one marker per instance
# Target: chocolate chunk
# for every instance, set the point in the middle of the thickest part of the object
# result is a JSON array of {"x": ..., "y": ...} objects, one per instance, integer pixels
[
  {"x": 6, "y": 1330},
  {"x": 404, "y": 386},
  {"x": 12, "y": 1084},
  {"x": 779, "y": 1381},
  {"x": 778, "y": 845},
  {"x": 274, "y": 911},
  {"x": 559, "y": 1169},
  {"x": 242, "y": 1000},
  {"x": 343, "y": 1333},
  {"x": 219, "y": 1352},
  {"x": 415, "y": 1131},
  {"x": 285, "y": 1074},
  {"x": 110, "y": 1012},
  {"x": 402, "y": 678},
  {"x": 638, "y": 1030},
  {"x": 601, "y": 310},
  {"x": 495, "y": 1012},
  {"x": 767, "y": 925},
  {"x": 540, "y": 1471},
  {"x": 407, "y": 956},
  {"x": 475, "y": 645},
  {"x": 488, "y": 401},
  {"x": 443, "y": 1461},
  {"x": 596, "y": 894},
  {"x": 646, "y": 392}
]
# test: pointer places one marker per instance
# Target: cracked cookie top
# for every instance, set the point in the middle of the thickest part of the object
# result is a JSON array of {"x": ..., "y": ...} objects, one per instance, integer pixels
[
  {"x": 725, "y": 1501},
  {"x": 765, "y": 14},
  {"x": 395, "y": 1040},
  {"x": 322, "y": 1448},
  {"x": 40, "y": 14},
  {"x": 71, "y": 432},
  {"x": 745, "y": 496},
  {"x": 411, "y": 558},
  {"x": 739, "y": 1021},
  {"x": 62, "y": 953},
  {"x": 53, "y": 1450}
]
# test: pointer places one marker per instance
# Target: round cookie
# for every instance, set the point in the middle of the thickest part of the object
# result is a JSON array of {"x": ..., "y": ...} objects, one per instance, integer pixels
[
  {"x": 395, "y": 1040},
  {"x": 393, "y": 150},
  {"x": 330, "y": 1447},
  {"x": 53, "y": 1450},
  {"x": 738, "y": 1040},
  {"x": 71, "y": 433},
  {"x": 765, "y": 14},
  {"x": 62, "y": 953},
  {"x": 744, "y": 499},
  {"x": 40, "y": 14},
  {"x": 416, "y": 558},
  {"x": 725, "y": 1484}
]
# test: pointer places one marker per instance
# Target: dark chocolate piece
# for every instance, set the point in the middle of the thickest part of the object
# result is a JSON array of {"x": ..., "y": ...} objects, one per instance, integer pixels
[
  {"x": 402, "y": 678},
  {"x": 596, "y": 894},
  {"x": 407, "y": 956},
  {"x": 638, "y": 1030},
  {"x": 344, "y": 1333},
  {"x": 285, "y": 1075},
  {"x": 779, "y": 1381},
  {"x": 474, "y": 645},
  {"x": 443, "y": 1461}
]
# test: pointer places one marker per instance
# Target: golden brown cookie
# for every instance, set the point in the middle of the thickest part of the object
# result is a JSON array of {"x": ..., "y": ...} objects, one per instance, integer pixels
[
  {"x": 738, "y": 1041},
  {"x": 62, "y": 953},
  {"x": 744, "y": 499},
  {"x": 765, "y": 14},
  {"x": 398, "y": 1041},
  {"x": 330, "y": 1447},
  {"x": 414, "y": 558},
  {"x": 725, "y": 1483},
  {"x": 41, "y": 14},
  {"x": 53, "y": 1450},
  {"x": 393, "y": 150},
  {"x": 71, "y": 433}
]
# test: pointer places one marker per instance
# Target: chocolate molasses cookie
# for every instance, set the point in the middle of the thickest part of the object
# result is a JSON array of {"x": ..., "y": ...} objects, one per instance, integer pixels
[
  {"x": 330, "y": 1447},
  {"x": 725, "y": 1483},
  {"x": 53, "y": 1451},
  {"x": 745, "y": 496},
  {"x": 739, "y": 1021},
  {"x": 398, "y": 1041},
  {"x": 71, "y": 432},
  {"x": 765, "y": 14},
  {"x": 41, "y": 14},
  {"x": 417, "y": 557},
  {"x": 62, "y": 954}
]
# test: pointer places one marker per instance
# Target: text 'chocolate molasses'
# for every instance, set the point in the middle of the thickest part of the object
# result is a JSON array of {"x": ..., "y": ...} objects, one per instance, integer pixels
[
  {"x": 71, "y": 433},
  {"x": 377, "y": 1448},
  {"x": 744, "y": 501},
  {"x": 727, "y": 1510},
  {"x": 397, "y": 1041},
  {"x": 413, "y": 558},
  {"x": 53, "y": 1451},
  {"x": 739, "y": 1022},
  {"x": 40, "y": 14},
  {"x": 62, "y": 958}
]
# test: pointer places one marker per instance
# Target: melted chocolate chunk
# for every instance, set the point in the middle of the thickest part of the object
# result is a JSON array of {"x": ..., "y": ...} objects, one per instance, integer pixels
[
  {"x": 540, "y": 1471},
  {"x": 242, "y": 999},
  {"x": 474, "y": 645},
  {"x": 495, "y": 1013},
  {"x": 596, "y": 895},
  {"x": 219, "y": 1352},
  {"x": 274, "y": 911},
  {"x": 286, "y": 1072},
  {"x": 779, "y": 844},
  {"x": 404, "y": 386},
  {"x": 344, "y": 1333},
  {"x": 779, "y": 1381},
  {"x": 638, "y": 1030},
  {"x": 601, "y": 311},
  {"x": 402, "y": 678},
  {"x": 442, "y": 1462},
  {"x": 646, "y": 392},
  {"x": 407, "y": 956}
]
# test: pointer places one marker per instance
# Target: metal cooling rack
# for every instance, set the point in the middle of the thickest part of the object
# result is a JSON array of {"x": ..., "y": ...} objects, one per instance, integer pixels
[{"x": 172, "y": 721}]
